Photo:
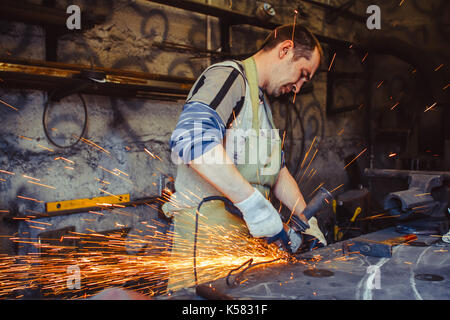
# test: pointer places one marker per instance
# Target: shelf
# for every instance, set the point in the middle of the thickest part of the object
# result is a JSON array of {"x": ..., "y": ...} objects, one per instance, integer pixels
[
  {"x": 228, "y": 17},
  {"x": 50, "y": 76}
]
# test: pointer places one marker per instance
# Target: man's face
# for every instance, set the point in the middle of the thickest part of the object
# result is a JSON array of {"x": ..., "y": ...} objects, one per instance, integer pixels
[{"x": 291, "y": 75}]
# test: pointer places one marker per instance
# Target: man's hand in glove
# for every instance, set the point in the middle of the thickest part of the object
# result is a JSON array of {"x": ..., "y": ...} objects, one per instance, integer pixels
[
  {"x": 287, "y": 240},
  {"x": 260, "y": 216}
]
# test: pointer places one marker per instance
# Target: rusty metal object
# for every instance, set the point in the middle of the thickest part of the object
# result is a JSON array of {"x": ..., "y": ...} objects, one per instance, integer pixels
[
  {"x": 418, "y": 197},
  {"x": 376, "y": 248}
]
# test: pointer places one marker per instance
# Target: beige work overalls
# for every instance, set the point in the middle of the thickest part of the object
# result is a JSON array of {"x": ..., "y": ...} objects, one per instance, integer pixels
[{"x": 214, "y": 222}]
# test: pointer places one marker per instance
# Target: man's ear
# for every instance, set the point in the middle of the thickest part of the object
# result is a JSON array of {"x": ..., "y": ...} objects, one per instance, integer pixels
[{"x": 284, "y": 48}]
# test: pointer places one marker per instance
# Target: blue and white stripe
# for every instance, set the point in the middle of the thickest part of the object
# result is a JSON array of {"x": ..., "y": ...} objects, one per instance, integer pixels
[{"x": 198, "y": 130}]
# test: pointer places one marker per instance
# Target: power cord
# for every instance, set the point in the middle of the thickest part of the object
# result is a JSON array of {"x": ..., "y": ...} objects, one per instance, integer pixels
[
  {"x": 44, "y": 122},
  {"x": 230, "y": 207}
]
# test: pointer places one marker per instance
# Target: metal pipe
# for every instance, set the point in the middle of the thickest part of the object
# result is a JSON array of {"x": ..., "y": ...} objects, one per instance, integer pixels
[{"x": 391, "y": 173}]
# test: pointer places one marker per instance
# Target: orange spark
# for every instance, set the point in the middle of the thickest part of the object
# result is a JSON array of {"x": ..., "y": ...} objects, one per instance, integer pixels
[
  {"x": 120, "y": 172},
  {"x": 309, "y": 165},
  {"x": 28, "y": 177},
  {"x": 355, "y": 158},
  {"x": 332, "y": 60},
  {"x": 336, "y": 188},
  {"x": 293, "y": 28},
  {"x": 8, "y": 105},
  {"x": 102, "y": 181},
  {"x": 393, "y": 154},
  {"x": 379, "y": 85},
  {"x": 395, "y": 105},
  {"x": 41, "y": 146},
  {"x": 151, "y": 154},
  {"x": 40, "y": 184},
  {"x": 95, "y": 212},
  {"x": 365, "y": 56},
  {"x": 321, "y": 184},
  {"x": 306, "y": 156},
  {"x": 430, "y": 107},
  {"x": 7, "y": 172},
  {"x": 62, "y": 158},
  {"x": 93, "y": 144},
  {"x": 439, "y": 67},
  {"x": 40, "y": 228},
  {"x": 38, "y": 222},
  {"x": 293, "y": 210},
  {"x": 109, "y": 193},
  {"x": 31, "y": 199}
]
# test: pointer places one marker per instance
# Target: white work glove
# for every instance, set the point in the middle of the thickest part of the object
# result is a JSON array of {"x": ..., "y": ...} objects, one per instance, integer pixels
[
  {"x": 260, "y": 216},
  {"x": 314, "y": 231},
  {"x": 295, "y": 240}
]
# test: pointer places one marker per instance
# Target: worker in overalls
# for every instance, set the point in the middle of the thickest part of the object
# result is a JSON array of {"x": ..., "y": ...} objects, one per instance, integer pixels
[{"x": 226, "y": 144}]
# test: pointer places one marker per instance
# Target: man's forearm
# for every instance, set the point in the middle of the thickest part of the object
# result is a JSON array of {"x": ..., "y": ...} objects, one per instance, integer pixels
[
  {"x": 287, "y": 191},
  {"x": 222, "y": 174}
]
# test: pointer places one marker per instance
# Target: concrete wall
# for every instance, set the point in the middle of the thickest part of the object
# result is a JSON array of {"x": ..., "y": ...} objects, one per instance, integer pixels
[{"x": 124, "y": 127}]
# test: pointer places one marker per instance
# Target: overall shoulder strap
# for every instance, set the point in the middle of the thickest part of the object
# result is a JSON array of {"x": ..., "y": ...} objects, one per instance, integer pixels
[{"x": 252, "y": 79}]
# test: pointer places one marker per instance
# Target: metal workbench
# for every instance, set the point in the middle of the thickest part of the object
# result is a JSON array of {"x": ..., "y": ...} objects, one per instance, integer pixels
[{"x": 420, "y": 271}]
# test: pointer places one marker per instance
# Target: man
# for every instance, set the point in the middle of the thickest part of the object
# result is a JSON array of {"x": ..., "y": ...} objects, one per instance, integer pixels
[{"x": 226, "y": 144}]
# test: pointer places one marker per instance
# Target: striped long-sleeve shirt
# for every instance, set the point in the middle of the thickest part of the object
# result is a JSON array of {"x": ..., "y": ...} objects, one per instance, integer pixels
[{"x": 214, "y": 102}]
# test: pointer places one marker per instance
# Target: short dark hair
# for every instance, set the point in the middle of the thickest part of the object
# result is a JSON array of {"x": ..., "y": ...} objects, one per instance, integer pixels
[{"x": 304, "y": 41}]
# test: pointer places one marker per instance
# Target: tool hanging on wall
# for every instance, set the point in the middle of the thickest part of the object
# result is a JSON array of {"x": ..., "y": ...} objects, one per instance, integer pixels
[{"x": 77, "y": 204}]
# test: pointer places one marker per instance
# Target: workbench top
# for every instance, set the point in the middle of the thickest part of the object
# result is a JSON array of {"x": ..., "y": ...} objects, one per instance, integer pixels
[{"x": 413, "y": 272}]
